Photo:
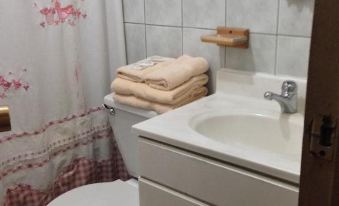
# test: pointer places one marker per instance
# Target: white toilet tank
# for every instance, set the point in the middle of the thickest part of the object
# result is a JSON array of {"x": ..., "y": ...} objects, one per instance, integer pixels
[{"x": 122, "y": 121}]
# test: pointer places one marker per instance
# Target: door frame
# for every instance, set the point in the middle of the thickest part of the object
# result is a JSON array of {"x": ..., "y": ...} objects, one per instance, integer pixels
[{"x": 319, "y": 179}]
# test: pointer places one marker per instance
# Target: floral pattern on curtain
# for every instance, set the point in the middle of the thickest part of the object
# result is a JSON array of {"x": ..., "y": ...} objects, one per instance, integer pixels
[
  {"x": 12, "y": 82},
  {"x": 56, "y": 60},
  {"x": 56, "y": 13}
]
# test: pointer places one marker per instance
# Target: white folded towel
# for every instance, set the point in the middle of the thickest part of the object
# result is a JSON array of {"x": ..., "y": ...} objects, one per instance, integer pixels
[
  {"x": 168, "y": 77},
  {"x": 157, "y": 107},
  {"x": 136, "y": 72},
  {"x": 142, "y": 90}
]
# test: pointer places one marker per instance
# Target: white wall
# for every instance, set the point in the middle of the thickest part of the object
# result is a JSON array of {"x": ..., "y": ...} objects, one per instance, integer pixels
[{"x": 280, "y": 32}]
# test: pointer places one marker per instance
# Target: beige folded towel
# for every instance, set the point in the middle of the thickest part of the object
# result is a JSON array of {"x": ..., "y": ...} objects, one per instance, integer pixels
[
  {"x": 179, "y": 71},
  {"x": 157, "y": 107},
  {"x": 141, "y": 90},
  {"x": 136, "y": 72}
]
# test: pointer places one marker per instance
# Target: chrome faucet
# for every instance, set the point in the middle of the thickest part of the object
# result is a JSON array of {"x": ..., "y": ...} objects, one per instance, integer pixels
[{"x": 288, "y": 97}]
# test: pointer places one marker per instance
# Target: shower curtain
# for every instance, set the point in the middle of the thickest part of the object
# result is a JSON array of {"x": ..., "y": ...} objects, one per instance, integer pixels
[{"x": 57, "y": 59}]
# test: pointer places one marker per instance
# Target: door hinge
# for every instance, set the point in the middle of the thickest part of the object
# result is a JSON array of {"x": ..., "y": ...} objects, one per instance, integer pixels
[{"x": 323, "y": 136}]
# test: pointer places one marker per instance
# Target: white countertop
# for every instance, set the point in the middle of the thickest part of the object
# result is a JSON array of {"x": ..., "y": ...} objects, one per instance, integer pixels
[{"x": 237, "y": 92}]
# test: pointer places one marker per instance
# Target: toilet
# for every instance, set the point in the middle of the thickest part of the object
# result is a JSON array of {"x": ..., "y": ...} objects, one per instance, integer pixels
[{"x": 122, "y": 118}]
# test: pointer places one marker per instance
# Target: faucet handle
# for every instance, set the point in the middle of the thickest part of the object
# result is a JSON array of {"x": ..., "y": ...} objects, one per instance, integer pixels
[{"x": 289, "y": 87}]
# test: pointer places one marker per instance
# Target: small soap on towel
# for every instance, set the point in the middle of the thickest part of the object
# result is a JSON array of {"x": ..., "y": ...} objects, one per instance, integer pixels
[
  {"x": 141, "y": 90},
  {"x": 157, "y": 107},
  {"x": 168, "y": 77},
  {"x": 136, "y": 72}
]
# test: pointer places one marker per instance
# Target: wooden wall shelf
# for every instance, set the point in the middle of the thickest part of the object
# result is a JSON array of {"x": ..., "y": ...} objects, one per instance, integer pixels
[{"x": 229, "y": 37}]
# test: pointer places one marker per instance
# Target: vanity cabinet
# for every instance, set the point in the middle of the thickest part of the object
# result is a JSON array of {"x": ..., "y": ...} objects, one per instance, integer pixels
[
  {"x": 172, "y": 176},
  {"x": 152, "y": 194}
]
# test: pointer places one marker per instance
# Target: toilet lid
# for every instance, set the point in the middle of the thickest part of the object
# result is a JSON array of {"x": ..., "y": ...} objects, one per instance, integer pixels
[{"x": 102, "y": 194}]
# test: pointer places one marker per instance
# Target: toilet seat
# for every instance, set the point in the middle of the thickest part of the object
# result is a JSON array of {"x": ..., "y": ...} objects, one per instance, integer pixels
[{"x": 101, "y": 194}]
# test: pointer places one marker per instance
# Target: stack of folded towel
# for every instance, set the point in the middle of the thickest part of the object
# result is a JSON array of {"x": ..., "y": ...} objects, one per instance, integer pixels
[{"x": 161, "y": 84}]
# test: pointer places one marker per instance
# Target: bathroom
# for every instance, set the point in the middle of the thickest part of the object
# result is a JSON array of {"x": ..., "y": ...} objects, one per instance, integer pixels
[{"x": 169, "y": 102}]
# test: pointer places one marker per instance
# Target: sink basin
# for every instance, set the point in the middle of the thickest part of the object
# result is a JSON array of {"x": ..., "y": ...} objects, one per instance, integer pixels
[
  {"x": 277, "y": 133},
  {"x": 237, "y": 125}
]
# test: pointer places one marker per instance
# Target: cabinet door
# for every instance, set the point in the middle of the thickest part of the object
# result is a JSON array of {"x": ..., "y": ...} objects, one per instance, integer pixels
[
  {"x": 211, "y": 181},
  {"x": 152, "y": 194}
]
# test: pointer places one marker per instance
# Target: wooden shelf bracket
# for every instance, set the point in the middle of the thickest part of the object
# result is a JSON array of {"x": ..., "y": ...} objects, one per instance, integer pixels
[{"x": 229, "y": 37}]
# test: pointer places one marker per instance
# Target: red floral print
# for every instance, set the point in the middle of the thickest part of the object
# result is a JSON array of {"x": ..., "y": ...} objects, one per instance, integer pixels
[
  {"x": 12, "y": 82},
  {"x": 57, "y": 14}
]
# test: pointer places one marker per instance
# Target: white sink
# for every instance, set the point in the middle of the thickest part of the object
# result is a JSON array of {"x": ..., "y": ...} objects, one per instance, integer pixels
[
  {"x": 272, "y": 133},
  {"x": 237, "y": 125}
]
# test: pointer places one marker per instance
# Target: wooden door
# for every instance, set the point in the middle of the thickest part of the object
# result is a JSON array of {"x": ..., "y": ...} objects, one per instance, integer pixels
[{"x": 320, "y": 161}]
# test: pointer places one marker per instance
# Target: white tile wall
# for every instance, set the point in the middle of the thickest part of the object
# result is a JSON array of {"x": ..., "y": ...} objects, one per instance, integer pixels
[
  {"x": 280, "y": 32},
  {"x": 257, "y": 15},
  {"x": 163, "y": 12},
  {"x": 134, "y": 11},
  {"x": 260, "y": 56},
  {"x": 204, "y": 13},
  {"x": 164, "y": 41},
  {"x": 136, "y": 44},
  {"x": 296, "y": 17},
  {"x": 293, "y": 56}
]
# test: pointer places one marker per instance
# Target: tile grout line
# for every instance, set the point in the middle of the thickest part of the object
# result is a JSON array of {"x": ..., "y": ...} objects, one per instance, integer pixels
[
  {"x": 125, "y": 32},
  {"x": 212, "y": 29},
  {"x": 182, "y": 27},
  {"x": 146, "y": 52},
  {"x": 277, "y": 40},
  {"x": 225, "y": 49},
  {"x": 126, "y": 49}
]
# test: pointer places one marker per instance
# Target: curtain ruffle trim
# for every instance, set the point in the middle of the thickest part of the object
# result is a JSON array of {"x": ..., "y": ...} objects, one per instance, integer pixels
[
  {"x": 49, "y": 124},
  {"x": 80, "y": 172}
]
